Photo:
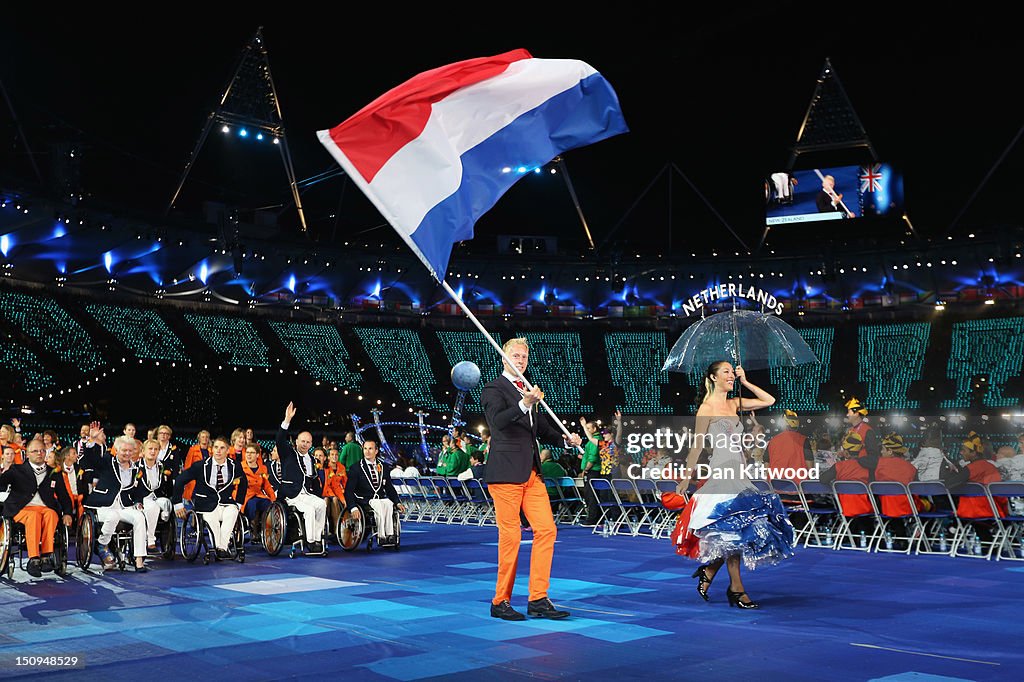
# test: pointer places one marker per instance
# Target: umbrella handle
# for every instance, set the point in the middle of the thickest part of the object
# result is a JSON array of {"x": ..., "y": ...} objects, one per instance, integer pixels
[{"x": 739, "y": 359}]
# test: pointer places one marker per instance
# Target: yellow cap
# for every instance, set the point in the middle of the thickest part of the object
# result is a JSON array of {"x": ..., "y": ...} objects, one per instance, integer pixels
[
  {"x": 894, "y": 442},
  {"x": 855, "y": 405},
  {"x": 973, "y": 442}
]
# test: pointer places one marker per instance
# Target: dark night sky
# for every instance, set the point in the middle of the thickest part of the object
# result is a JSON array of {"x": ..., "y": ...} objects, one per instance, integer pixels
[{"x": 719, "y": 93}]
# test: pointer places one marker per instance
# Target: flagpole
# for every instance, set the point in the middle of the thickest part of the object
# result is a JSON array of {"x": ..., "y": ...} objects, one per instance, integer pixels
[{"x": 501, "y": 352}]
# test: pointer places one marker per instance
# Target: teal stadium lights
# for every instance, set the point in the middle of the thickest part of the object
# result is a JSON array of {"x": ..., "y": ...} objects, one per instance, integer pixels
[
  {"x": 141, "y": 330},
  {"x": 231, "y": 338},
  {"x": 890, "y": 358},
  {"x": 320, "y": 350},
  {"x": 990, "y": 347},
  {"x": 402, "y": 361},
  {"x": 52, "y": 327}
]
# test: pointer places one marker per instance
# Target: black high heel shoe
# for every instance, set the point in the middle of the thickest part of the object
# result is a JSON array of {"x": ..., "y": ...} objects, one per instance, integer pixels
[
  {"x": 703, "y": 582},
  {"x": 734, "y": 600}
]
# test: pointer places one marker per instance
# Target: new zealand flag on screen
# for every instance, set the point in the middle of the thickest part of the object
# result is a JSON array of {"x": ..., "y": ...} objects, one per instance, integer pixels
[{"x": 881, "y": 190}]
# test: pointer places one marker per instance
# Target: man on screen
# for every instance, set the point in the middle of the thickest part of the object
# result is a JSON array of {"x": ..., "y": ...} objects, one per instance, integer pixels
[{"x": 828, "y": 200}]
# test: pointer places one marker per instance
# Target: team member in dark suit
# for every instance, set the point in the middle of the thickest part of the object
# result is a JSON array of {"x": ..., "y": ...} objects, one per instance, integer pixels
[
  {"x": 169, "y": 455},
  {"x": 274, "y": 472},
  {"x": 300, "y": 484},
  {"x": 218, "y": 495},
  {"x": 94, "y": 453},
  {"x": 369, "y": 486},
  {"x": 158, "y": 482},
  {"x": 37, "y": 499},
  {"x": 117, "y": 497},
  {"x": 514, "y": 482}
]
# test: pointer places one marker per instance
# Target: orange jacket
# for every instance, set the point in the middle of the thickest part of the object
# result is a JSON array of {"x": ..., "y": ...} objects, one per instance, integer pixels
[
  {"x": 785, "y": 450},
  {"x": 17, "y": 451},
  {"x": 334, "y": 482},
  {"x": 258, "y": 483},
  {"x": 195, "y": 454},
  {"x": 850, "y": 470},
  {"x": 982, "y": 471},
  {"x": 76, "y": 500},
  {"x": 896, "y": 469}
]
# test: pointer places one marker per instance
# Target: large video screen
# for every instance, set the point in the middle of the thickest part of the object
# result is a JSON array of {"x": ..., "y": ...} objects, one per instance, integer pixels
[{"x": 838, "y": 193}]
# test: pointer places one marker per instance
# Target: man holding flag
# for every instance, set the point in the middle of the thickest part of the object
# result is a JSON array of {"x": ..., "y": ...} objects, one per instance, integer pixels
[
  {"x": 514, "y": 482},
  {"x": 430, "y": 154}
]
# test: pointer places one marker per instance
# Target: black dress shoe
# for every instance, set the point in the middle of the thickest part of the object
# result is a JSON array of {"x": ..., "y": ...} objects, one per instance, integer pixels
[
  {"x": 505, "y": 611},
  {"x": 543, "y": 608},
  {"x": 315, "y": 548},
  {"x": 223, "y": 554},
  {"x": 703, "y": 581},
  {"x": 735, "y": 599},
  {"x": 35, "y": 569},
  {"x": 46, "y": 563}
]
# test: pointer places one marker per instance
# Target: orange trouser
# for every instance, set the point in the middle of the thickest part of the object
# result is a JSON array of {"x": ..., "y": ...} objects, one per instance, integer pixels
[
  {"x": 40, "y": 524},
  {"x": 532, "y": 498}
]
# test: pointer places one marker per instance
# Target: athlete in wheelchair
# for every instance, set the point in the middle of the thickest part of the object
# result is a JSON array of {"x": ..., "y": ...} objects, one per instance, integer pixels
[
  {"x": 157, "y": 480},
  {"x": 259, "y": 493},
  {"x": 300, "y": 489},
  {"x": 216, "y": 500},
  {"x": 36, "y": 504},
  {"x": 115, "y": 503},
  {"x": 373, "y": 506}
]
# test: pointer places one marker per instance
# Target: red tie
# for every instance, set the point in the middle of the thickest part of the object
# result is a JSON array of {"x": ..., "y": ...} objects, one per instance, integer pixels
[{"x": 520, "y": 384}]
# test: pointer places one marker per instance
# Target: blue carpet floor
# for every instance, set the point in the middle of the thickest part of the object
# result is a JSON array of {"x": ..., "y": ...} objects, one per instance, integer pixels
[{"x": 422, "y": 613}]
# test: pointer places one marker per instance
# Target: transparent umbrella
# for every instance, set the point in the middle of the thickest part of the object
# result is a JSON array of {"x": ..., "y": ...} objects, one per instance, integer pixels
[{"x": 749, "y": 338}]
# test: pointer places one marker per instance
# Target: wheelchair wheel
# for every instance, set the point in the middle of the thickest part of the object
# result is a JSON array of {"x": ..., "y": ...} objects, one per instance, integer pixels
[
  {"x": 247, "y": 534},
  {"x": 398, "y": 532},
  {"x": 296, "y": 535},
  {"x": 85, "y": 541},
  {"x": 190, "y": 542},
  {"x": 238, "y": 540},
  {"x": 121, "y": 549},
  {"x": 166, "y": 538},
  {"x": 350, "y": 530},
  {"x": 60, "y": 551},
  {"x": 275, "y": 528},
  {"x": 5, "y": 544}
]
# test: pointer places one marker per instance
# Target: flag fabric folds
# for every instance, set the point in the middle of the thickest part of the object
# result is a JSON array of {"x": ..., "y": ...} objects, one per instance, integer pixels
[{"x": 432, "y": 153}]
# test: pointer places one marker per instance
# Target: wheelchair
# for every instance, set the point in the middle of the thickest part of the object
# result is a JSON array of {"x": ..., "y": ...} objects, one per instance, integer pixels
[
  {"x": 13, "y": 543},
  {"x": 283, "y": 524},
  {"x": 87, "y": 534},
  {"x": 196, "y": 537},
  {"x": 166, "y": 536},
  {"x": 351, "y": 532}
]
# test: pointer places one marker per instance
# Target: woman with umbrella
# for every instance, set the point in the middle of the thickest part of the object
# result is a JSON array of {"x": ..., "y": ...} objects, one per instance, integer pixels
[{"x": 727, "y": 521}]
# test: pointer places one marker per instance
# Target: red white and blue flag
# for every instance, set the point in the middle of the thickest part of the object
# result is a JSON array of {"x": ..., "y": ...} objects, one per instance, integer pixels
[
  {"x": 871, "y": 178},
  {"x": 430, "y": 153}
]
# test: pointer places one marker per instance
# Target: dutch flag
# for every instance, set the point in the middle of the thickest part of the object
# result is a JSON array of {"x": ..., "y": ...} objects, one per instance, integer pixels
[{"x": 430, "y": 153}]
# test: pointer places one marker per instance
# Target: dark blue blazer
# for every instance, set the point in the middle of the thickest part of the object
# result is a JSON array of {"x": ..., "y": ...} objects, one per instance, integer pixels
[
  {"x": 513, "y": 451},
  {"x": 293, "y": 479},
  {"x": 205, "y": 497},
  {"x": 109, "y": 487},
  {"x": 23, "y": 487}
]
